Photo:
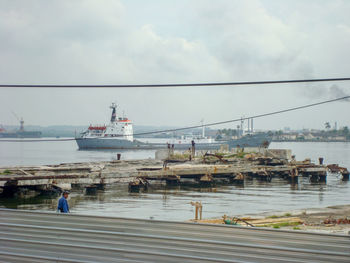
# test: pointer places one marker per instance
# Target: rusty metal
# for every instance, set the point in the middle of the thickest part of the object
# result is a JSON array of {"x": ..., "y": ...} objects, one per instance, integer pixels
[
  {"x": 337, "y": 221},
  {"x": 220, "y": 157},
  {"x": 335, "y": 168}
]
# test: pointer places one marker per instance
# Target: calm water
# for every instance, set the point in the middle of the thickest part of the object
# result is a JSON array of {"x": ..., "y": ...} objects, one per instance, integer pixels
[
  {"x": 36, "y": 153},
  {"x": 174, "y": 203}
]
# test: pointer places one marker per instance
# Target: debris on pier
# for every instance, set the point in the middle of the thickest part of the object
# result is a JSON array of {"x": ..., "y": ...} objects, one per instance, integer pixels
[
  {"x": 204, "y": 169},
  {"x": 272, "y": 221},
  {"x": 213, "y": 168}
]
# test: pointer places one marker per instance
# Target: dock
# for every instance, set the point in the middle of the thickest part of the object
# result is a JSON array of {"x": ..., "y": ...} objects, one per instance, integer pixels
[
  {"x": 216, "y": 173},
  {"x": 55, "y": 178},
  {"x": 29, "y": 236},
  {"x": 230, "y": 172},
  {"x": 206, "y": 170}
]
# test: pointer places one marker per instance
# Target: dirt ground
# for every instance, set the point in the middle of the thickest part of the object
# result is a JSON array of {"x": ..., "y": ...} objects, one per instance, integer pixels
[
  {"x": 316, "y": 219},
  {"x": 332, "y": 219}
]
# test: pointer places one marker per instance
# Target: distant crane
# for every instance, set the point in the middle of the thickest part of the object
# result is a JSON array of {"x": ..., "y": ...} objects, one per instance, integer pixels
[{"x": 21, "y": 121}]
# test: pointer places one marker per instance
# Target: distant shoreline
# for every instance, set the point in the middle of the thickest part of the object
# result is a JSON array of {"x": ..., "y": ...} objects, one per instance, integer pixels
[{"x": 310, "y": 140}]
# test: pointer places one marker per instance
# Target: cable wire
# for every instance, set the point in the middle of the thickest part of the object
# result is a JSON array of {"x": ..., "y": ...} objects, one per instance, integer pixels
[
  {"x": 174, "y": 84},
  {"x": 200, "y": 126}
]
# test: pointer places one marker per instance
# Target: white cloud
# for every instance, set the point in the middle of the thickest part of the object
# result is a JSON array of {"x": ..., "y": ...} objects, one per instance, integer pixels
[{"x": 90, "y": 42}]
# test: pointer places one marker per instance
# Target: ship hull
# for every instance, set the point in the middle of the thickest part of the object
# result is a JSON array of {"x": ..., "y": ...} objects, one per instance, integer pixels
[
  {"x": 113, "y": 143},
  {"x": 23, "y": 134},
  {"x": 257, "y": 140},
  {"x": 260, "y": 140}
]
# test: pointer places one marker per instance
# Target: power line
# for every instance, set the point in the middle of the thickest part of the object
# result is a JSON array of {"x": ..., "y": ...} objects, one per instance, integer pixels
[
  {"x": 205, "y": 125},
  {"x": 239, "y": 83}
]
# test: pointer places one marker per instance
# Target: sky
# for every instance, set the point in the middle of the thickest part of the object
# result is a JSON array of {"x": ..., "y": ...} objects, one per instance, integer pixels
[{"x": 184, "y": 41}]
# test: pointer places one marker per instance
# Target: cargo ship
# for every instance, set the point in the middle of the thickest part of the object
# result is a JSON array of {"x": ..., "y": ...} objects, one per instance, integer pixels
[
  {"x": 118, "y": 134},
  {"x": 21, "y": 133}
]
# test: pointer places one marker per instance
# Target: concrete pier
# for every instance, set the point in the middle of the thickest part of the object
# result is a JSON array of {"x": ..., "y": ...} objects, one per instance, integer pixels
[
  {"x": 204, "y": 170},
  {"x": 51, "y": 178},
  {"x": 264, "y": 169}
]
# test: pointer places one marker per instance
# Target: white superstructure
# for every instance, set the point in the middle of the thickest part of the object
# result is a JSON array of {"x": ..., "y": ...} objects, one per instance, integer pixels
[{"x": 118, "y": 128}]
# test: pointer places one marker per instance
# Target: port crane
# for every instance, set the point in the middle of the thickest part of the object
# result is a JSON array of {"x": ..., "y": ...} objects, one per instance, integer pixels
[{"x": 21, "y": 121}]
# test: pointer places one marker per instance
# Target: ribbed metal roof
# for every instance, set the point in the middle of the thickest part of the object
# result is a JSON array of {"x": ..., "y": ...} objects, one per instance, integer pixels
[{"x": 28, "y": 236}]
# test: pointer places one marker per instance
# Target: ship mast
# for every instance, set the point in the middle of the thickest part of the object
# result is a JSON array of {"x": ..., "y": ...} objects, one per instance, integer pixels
[
  {"x": 203, "y": 128},
  {"x": 114, "y": 114},
  {"x": 21, "y": 128}
]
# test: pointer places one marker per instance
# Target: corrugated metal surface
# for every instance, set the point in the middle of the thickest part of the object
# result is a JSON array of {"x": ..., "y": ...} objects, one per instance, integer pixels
[{"x": 48, "y": 237}]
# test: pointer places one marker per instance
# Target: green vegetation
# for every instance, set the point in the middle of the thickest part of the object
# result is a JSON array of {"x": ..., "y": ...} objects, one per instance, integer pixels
[
  {"x": 273, "y": 216},
  {"x": 6, "y": 172},
  {"x": 296, "y": 228},
  {"x": 240, "y": 154},
  {"x": 329, "y": 133},
  {"x": 287, "y": 214},
  {"x": 345, "y": 132},
  {"x": 236, "y": 155},
  {"x": 282, "y": 224}
]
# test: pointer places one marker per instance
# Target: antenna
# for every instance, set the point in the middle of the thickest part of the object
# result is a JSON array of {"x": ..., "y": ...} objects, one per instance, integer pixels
[
  {"x": 114, "y": 114},
  {"x": 113, "y": 105}
]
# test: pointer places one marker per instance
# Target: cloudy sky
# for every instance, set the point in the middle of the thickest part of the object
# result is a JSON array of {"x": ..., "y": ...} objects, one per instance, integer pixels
[{"x": 144, "y": 42}]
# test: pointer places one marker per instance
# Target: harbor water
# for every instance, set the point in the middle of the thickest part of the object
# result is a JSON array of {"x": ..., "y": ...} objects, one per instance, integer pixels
[{"x": 165, "y": 203}]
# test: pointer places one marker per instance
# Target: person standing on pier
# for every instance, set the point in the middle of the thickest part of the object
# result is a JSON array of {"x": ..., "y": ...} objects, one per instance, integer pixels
[{"x": 63, "y": 206}]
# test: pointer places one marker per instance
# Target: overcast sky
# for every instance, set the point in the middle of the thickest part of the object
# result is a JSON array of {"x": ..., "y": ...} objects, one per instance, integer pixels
[{"x": 134, "y": 41}]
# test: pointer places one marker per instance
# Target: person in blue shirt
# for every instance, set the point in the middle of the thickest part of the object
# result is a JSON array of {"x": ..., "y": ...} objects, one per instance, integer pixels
[{"x": 63, "y": 206}]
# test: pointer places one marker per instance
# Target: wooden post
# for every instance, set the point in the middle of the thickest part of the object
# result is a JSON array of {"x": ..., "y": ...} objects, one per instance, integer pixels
[
  {"x": 169, "y": 151},
  {"x": 199, "y": 208},
  {"x": 193, "y": 150},
  {"x": 320, "y": 160}
]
